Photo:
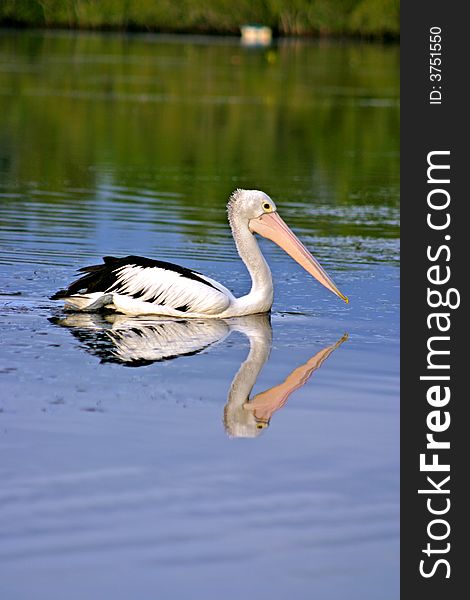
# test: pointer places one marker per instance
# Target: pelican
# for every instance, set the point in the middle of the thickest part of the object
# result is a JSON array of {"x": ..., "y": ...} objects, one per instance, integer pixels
[{"x": 141, "y": 286}]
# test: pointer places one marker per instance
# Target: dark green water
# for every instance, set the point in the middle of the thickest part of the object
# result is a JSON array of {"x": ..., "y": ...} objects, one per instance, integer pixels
[{"x": 123, "y": 482}]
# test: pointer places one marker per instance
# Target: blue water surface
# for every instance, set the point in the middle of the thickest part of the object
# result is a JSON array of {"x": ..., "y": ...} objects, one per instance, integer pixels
[{"x": 128, "y": 476}]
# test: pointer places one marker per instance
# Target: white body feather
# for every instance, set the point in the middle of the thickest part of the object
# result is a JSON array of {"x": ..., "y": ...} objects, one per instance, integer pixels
[{"x": 138, "y": 287}]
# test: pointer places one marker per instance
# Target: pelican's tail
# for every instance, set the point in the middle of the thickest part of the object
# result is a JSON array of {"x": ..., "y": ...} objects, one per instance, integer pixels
[{"x": 87, "y": 302}]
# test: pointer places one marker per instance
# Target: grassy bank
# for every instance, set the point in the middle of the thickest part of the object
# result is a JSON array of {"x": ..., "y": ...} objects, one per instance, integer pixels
[{"x": 375, "y": 18}]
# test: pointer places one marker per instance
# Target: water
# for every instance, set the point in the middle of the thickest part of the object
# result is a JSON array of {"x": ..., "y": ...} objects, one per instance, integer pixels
[{"x": 132, "y": 465}]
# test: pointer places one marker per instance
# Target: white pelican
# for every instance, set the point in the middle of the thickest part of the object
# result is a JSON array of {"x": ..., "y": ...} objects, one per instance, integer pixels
[{"x": 141, "y": 286}]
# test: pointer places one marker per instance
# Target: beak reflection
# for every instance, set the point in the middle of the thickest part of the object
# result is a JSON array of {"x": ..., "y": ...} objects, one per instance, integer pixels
[{"x": 265, "y": 404}]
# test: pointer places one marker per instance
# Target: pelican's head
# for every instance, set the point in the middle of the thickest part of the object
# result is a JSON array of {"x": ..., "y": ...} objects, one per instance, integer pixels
[
  {"x": 240, "y": 422},
  {"x": 258, "y": 212},
  {"x": 249, "y": 204}
]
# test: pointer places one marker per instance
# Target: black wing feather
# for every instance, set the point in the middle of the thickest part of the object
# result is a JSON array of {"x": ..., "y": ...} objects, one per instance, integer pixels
[{"x": 100, "y": 278}]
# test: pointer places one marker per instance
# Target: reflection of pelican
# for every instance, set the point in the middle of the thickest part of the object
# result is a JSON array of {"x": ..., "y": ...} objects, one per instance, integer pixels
[
  {"x": 140, "y": 286},
  {"x": 138, "y": 341},
  {"x": 246, "y": 418}
]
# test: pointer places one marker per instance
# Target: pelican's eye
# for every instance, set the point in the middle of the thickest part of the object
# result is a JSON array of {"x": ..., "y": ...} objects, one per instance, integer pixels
[{"x": 267, "y": 206}]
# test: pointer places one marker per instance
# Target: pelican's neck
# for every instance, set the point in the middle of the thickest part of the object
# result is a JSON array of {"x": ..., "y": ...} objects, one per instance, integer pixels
[
  {"x": 261, "y": 293},
  {"x": 238, "y": 421}
]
